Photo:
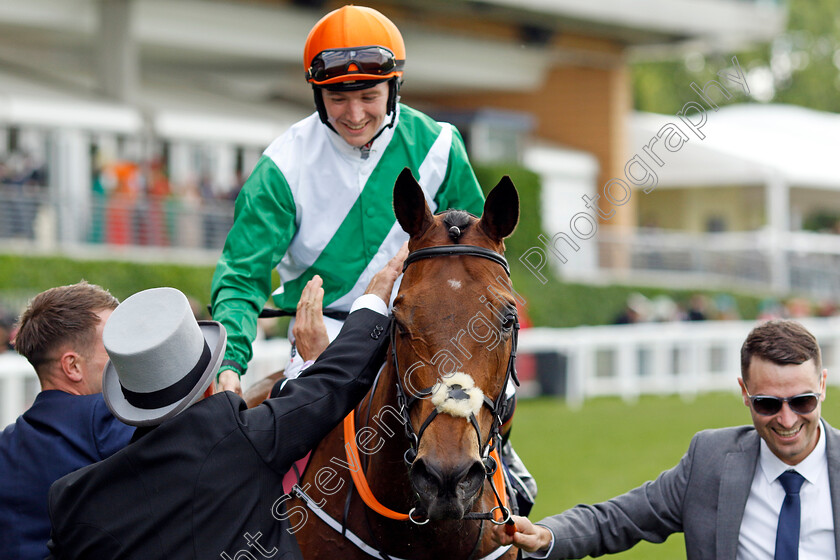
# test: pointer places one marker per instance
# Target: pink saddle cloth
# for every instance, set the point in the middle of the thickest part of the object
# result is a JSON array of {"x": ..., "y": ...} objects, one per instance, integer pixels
[{"x": 293, "y": 475}]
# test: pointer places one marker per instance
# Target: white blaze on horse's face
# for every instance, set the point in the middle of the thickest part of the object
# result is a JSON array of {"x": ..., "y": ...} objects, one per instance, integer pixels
[
  {"x": 456, "y": 284},
  {"x": 457, "y": 395}
]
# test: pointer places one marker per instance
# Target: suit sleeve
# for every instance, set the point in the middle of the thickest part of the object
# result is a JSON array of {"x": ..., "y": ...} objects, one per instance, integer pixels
[
  {"x": 109, "y": 434},
  {"x": 285, "y": 428},
  {"x": 263, "y": 227},
  {"x": 650, "y": 512},
  {"x": 460, "y": 188}
]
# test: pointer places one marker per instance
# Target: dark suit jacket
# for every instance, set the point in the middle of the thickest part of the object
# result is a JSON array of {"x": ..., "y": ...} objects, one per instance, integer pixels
[
  {"x": 57, "y": 435},
  {"x": 207, "y": 483},
  {"x": 704, "y": 497}
]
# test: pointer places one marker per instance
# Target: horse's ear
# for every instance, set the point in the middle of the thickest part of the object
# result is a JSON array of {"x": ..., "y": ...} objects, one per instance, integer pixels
[
  {"x": 501, "y": 210},
  {"x": 410, "y": 206}
]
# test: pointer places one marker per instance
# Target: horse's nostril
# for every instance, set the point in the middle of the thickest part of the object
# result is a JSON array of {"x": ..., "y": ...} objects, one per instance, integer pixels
[
  {"x": 461, "y": 484},
  {"x": 426, "y": 479},
  {"x": 470, "y": 484}
]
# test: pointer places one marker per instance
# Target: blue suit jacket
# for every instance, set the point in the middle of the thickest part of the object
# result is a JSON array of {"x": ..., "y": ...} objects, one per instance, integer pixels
[{"x": 57, "y": 435}]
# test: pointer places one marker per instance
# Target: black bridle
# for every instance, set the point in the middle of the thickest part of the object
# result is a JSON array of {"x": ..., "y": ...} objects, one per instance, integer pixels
[{"x": 405, "y": 400}]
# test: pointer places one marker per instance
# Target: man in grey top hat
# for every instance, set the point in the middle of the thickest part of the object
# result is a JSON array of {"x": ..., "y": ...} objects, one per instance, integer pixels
[{"x": 202, "y": 478}]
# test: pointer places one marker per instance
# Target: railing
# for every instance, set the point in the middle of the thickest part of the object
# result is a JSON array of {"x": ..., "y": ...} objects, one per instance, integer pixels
[
  {"x": 684, "y": 358},
  {"x": 29, "y": 214},
  {"x": 802, "y": 262},
  {"x": 627, "y": 361}
]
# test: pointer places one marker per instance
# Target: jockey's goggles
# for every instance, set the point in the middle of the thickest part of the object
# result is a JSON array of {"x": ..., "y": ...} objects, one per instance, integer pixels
[
  {"x": 764, "y": 405},
  {"x": 370, "y": 61}
]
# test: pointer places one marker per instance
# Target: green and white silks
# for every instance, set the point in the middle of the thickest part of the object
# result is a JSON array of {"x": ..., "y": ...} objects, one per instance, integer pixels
[{"x": 316, "y": 205}]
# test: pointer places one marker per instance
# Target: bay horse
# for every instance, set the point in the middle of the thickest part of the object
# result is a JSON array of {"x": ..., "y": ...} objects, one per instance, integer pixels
[{"x": 418, "y": 447}]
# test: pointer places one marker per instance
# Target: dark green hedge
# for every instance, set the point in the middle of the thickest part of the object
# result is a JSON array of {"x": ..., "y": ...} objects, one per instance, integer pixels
[
  {"x": 527, "y": 184},
  {"x": 564, "y": 304},
  {"x": 22, "y": 277}
]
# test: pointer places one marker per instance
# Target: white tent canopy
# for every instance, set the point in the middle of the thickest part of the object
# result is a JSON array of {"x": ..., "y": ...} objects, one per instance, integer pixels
[{"x": 748, "y": 144}]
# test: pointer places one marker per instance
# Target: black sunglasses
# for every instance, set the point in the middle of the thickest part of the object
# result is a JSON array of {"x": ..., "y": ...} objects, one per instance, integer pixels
[
  {"x": 805, "y": 403},
  {"x": 376, "y": 61}
]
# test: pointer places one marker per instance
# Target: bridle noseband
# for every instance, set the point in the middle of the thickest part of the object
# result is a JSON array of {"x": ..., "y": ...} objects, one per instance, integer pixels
[{"x": 405, "y": 401}]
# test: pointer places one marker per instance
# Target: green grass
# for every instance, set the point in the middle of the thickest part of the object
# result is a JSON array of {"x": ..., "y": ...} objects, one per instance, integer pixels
[{"x": 609, "y": 447}]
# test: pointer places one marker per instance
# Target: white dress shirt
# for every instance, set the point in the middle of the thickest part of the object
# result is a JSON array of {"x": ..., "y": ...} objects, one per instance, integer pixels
[
  {"x": 296, "y": 364},
  {"x": 757, "y": 539}
]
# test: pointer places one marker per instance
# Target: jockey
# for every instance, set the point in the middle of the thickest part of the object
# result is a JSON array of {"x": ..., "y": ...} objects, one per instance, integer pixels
[{"x": 319, "y": 201}]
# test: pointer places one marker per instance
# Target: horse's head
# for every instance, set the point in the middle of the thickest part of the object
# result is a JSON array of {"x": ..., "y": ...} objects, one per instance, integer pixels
[{"x": 455, "y": 323}]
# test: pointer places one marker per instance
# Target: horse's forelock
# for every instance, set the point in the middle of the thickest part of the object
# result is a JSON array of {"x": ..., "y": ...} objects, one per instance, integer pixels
[
  {"x": 458, "y": 218},
  {"x": 456, "y": 223}
]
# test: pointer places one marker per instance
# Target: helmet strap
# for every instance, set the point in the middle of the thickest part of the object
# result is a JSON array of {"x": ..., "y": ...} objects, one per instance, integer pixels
[
  {"x": 321, "y": 107},
  {"x": 393, "y": 96}
]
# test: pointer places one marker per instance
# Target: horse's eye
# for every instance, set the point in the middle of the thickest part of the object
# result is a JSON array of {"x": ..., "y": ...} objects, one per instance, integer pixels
[{"x": 510, "y": 320}]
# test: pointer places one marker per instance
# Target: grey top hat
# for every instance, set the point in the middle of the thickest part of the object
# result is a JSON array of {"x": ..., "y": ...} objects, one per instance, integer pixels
[{"x": 161, "y": 358}]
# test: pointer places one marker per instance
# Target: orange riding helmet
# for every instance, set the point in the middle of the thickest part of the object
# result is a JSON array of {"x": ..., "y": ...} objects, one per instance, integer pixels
[{"x": 353, "y": 48}]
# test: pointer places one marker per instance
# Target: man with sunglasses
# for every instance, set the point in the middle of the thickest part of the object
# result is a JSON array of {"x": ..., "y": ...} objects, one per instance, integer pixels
[
  {"x": 766, "y": 491},
  {"x": 319, "y": 201}
]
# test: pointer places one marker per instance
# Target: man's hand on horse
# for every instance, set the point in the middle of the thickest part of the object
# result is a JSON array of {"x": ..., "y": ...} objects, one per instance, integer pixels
[
  {"x": 528, "y": 537},
  {"x": 382, "y": 284},
  {"x": 229, "y": 381},
  {"x": 309, "y": 331}
]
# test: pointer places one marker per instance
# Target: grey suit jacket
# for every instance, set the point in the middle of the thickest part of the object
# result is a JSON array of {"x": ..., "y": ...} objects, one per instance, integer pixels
[{"x": 703, "y": 497}]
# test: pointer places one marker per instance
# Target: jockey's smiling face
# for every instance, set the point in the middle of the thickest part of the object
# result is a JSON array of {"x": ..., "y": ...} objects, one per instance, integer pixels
[{"x": 357, "y": 115}]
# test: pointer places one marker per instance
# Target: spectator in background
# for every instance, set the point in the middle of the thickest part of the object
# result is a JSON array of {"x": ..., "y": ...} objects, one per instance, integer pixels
[
  {"x": 827, "y": 308},
  {"x": 769, "y": 309},
  {"x": 68, "y": 425},
  {"x": 727, "y": 308},
  {"x": 797, "y": 308},
  {"x": 697, "y": 308},
  {"x": 636, "y": 310},
  {"x": 663, "y": 309},
  {"x": 7, "y": 324}
]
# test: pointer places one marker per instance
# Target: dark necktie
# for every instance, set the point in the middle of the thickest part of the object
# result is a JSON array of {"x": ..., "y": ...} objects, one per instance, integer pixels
[{"x": 787, "y": 532}]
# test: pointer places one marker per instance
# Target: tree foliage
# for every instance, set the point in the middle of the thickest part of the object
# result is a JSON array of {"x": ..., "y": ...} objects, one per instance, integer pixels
[{"x": 801, "y": 66}]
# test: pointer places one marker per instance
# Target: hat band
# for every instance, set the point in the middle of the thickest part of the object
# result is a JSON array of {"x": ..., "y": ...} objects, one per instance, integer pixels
[{"x": 173, "y": 393}]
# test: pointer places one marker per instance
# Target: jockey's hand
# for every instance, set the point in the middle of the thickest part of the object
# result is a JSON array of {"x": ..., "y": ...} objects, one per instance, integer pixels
[
  {"x": 383, "y": 282},
  {"x": 309, "y": 330},
  {"x": 229, "y": 381},
  {"x": 528, "y": 537}
]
